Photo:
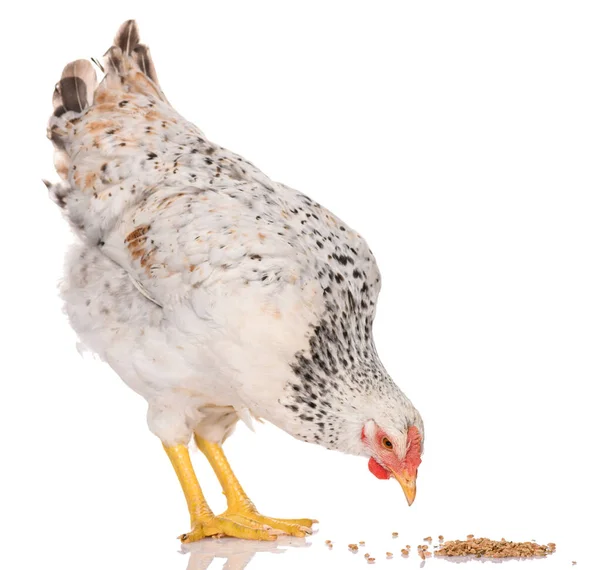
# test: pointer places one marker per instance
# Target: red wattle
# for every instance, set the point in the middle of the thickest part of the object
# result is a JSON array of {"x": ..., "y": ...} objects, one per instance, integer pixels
[{"x": 378, "y": 470}]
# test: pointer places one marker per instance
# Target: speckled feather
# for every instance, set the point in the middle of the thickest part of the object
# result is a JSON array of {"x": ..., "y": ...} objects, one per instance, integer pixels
[{"x": 213, "y": 292}]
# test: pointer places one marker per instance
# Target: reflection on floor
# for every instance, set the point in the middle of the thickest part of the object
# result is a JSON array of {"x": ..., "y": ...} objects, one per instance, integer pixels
[{"x": 237, "y": 553}]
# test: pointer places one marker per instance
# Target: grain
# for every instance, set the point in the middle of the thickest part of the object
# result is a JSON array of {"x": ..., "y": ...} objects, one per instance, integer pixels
[
  {"x": 371, "y": 560},
  {"x": 487, "y": 548},
  {"x": 441, "y": 538},
  {"x": 389, "y": 554},
  {"x": 361, "y": 543},
  {"x": 574, "y": 563},
  {"x": 353, "y": 547},
  {"x": 427, "y": 539},
  {"x": 394, "y": 535}
]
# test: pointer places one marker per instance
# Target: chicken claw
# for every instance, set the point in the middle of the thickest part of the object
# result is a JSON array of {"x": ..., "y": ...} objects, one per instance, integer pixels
[{"x": 221, "y": 526}]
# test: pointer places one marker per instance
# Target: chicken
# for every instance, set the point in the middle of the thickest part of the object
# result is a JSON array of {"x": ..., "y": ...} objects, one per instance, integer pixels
[{"x": 215, "y": 293}]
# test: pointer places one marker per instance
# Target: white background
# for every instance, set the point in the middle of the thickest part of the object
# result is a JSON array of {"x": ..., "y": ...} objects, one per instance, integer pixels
[{"x": 462, "y": 139}]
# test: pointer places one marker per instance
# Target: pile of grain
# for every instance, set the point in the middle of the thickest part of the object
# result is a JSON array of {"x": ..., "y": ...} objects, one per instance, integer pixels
[
  {"x": 472, "y": 547},
  {"x": 487, "y": 548}
]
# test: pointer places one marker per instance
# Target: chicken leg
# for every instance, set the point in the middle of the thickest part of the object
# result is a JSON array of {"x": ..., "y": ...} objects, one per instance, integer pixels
[
  {"x": 203, "y": 521},
  {"x": 240, "y": 509}
]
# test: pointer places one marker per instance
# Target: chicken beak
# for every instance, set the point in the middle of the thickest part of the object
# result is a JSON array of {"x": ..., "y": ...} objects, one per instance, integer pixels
[{"x": 408, "y": 484}]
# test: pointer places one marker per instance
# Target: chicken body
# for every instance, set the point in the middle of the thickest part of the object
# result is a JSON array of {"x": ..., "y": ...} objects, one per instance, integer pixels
[{"x": 214, "y": 292}]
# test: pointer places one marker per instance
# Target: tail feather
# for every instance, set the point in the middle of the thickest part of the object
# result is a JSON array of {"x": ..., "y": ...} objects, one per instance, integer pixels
[
  {"x": 75, "y": 90},
  {"x": 128, "y": 37},
  {"x": 113, "y": 61},
  {"x": 127, "y": 54},
  {"x": 127, "y": 66},
  {"x": 141, "y": 54},
  {"x": 128, "y": 41}
]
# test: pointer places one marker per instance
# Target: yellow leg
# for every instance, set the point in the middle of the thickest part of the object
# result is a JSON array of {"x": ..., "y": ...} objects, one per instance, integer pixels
[
  {"x": 204, "y": 523},
  {"x": 240, "y": 508}
]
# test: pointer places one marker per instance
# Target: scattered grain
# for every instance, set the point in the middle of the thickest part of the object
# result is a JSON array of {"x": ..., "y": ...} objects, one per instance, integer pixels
[
  {"x": 389, "y": 554},
  {"x": 394, "y": 535},
  {"x": 371, "y": 560},
  {"x": 361, "y": 543},
  {"x": 487, "y": 548},
  {"x": 441, "y": 538},
  {"x": 404, "y": 552},
  {"x": 574, "y": 563},
  {"x": 427, "y": 539}
]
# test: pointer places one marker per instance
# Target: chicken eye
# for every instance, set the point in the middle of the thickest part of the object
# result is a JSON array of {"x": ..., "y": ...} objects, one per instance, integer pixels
[{"x": 387, "y": 443}]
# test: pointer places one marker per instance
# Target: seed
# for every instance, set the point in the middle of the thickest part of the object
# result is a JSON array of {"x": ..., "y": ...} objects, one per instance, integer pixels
[
  {"x": 424, "y": 547},
  {"x": 367, "y": 555},
  {"x": 441, "y": 538},
  {"x": 408, "y": 546},
  {"x": 394, "y": 535},
  {"x": 361, "y": 543},
  {"x": 470, "y": 536},
  {"x": 574, "y": 562},
  {"x": 404, "y": 552},
  {"x": 427, "y": 539},
  {"x": 389, "y": 554},
  {"x": 371, "y": 560},
  {"x": 422, "y": 554},
  {"x": 353, "y": 547}
]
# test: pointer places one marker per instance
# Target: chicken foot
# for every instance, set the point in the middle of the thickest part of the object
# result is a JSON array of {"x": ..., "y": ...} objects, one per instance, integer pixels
[
  {"x": 203, "y": 521},
  {"x": 240, "y": 509}
]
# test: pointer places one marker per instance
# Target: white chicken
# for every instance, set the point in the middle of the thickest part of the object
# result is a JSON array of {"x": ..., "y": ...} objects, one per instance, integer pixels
[{"x": 215, "y": 293}]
